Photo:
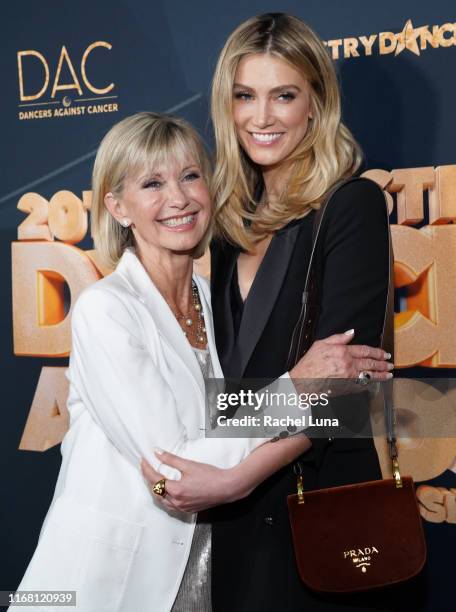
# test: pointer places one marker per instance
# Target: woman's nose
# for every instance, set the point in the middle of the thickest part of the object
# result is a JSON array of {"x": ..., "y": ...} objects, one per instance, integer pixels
[
  {"x": 177, "y": 195},
  {"x": 262, "y": 115}
]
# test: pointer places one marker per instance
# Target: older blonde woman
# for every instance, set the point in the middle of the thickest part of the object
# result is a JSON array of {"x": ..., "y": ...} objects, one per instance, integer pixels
[{"x": 142, "y": 346}]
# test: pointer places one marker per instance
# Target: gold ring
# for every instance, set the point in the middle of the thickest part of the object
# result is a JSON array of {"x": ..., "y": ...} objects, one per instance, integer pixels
[{"x": 159, "y": 487}]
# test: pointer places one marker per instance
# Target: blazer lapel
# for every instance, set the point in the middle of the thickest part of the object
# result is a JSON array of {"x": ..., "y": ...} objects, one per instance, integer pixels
[
  {"x": 263, "y": 294},
  {"x": 222, "y": 267},
  {"x": 131, "y": 269}
]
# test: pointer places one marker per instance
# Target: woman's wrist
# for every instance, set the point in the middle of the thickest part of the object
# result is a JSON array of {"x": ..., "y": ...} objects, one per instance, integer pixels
[
  {"x": 299, "y": 370},
  {"x": 236, "y": 484}
]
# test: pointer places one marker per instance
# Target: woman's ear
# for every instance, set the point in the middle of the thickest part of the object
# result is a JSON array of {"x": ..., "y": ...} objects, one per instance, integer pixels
[
  {"x": 116, "y": 209},
  {"x": 311, "y": 106}
]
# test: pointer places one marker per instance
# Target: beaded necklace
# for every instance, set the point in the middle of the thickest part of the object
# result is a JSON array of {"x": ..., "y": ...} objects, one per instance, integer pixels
[{"x": 192, "y": 323}]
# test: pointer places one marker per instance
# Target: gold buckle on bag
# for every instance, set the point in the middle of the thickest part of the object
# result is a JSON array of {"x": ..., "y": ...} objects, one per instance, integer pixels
[
  {"x": 300, "y": 490},
  {"x": 396, "y": 473}
]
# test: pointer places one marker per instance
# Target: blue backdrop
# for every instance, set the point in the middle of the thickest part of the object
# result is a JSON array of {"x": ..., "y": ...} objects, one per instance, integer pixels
[{"x": 160, "y": 56}]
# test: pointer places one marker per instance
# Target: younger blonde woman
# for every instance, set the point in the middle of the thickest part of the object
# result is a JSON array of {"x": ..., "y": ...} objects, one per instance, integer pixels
[{"x": 281, "y": 149}]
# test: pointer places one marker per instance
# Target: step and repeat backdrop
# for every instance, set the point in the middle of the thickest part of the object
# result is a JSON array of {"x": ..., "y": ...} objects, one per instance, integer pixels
[{"x": 70, "y": 70}]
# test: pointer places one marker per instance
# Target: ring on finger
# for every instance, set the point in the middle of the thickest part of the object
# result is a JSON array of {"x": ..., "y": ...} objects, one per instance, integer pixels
[
  {"x": 159, "y": 488},
  {"x": 364, "y": 377}
]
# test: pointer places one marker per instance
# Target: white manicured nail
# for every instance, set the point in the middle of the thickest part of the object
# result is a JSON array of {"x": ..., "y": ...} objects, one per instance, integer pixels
[{"x": 349, "y": 332}]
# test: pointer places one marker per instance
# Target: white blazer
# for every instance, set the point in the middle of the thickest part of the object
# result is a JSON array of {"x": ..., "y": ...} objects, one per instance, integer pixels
[{"x": 135, "y": 385}]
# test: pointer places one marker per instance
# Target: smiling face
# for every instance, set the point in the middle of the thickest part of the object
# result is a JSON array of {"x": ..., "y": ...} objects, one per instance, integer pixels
[
  {"x": 167, "y": 207},
  {"x": 271, "y": 108}
]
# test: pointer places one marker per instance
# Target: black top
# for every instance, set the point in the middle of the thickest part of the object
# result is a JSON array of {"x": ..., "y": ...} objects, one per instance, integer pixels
[
  {"x": 253, "y": 560},
  {"x": 237, "y": 303}
]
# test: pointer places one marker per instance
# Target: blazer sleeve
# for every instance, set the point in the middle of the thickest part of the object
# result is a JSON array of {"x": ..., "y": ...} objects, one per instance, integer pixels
[
  {"x": 354, "y": 269},
  {"x": 121, "y": 385}
]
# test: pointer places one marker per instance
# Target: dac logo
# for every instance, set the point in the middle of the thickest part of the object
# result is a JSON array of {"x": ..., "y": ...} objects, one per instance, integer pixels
[{"x": 80, "y": 84}]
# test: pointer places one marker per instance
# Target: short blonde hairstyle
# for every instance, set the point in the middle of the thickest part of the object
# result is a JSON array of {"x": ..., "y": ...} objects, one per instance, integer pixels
[
  {"x": 136, "y": 144},
  {"x": 327, "y": 153}
]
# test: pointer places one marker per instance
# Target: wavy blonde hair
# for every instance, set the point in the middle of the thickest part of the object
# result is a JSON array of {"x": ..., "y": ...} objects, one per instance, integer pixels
[
  {"x": 327, "y": 153},
  {"x": 133, "y": 145}
]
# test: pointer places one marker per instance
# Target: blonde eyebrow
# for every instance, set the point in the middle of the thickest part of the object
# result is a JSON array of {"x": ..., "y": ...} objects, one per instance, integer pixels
[
  {"x": 157, "y": 175},
  {"x": 149, "y": 176},
  {"x": 273, "y": 90}
]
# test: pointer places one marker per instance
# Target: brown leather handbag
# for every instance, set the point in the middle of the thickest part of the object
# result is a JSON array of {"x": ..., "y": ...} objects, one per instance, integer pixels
[{"x": 361, "y": 536}]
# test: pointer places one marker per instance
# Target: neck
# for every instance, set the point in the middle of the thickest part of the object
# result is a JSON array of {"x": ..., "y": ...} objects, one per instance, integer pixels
[
  {"x": 171, "y": 274},
  {"x": 275, "y": 179}
]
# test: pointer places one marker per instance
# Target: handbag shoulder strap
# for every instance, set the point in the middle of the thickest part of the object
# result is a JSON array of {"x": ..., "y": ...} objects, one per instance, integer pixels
[
  {"x": 305, "y": 326},
  {"x": 302, "y": 336}
]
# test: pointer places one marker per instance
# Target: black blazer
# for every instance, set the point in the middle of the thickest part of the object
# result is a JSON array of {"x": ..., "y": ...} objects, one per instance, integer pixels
[{"x": 253, "y": 560}]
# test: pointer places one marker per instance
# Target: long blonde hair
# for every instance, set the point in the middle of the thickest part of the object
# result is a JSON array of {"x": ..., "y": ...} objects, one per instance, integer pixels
[
  {"x": 134, "y": 144},
  {"x": 327, "y": 153}
]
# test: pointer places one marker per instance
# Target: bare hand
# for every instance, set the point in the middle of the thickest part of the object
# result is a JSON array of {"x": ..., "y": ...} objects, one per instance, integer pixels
[
  {"x": 201, "y": 485},
  {"x": 332, "y": 357}
]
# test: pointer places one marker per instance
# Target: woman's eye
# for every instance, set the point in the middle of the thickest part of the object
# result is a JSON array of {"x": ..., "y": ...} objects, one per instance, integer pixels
[
  {"x": 287, "y": 96},
  {"x": 152, "y": 184},
  {"x": 191, "y": 176},
  {"x": 242, "y": 95}
]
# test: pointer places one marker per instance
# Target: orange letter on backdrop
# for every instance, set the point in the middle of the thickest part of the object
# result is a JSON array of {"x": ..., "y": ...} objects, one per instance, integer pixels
[
  {"x": 409, "y": 184},
  {"x": 424, "y": 263},
  {"x": 442, "y": 197},
  {"x": 40, "y": 325},
  {"x": 48, "y": 418},
  {"x": 425, "y": 333}
]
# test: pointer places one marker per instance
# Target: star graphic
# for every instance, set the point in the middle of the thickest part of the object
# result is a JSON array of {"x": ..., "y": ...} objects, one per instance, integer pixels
[{"x": 407, "y": 39}]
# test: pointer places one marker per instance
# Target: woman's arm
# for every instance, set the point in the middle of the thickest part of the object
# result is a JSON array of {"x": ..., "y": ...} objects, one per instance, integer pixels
[
  {"x": 354, "y": 262},
  {"x": 354, "y": 276},
  {"x": 203, "y": 486},
  {"x": 122, "y": 386}
]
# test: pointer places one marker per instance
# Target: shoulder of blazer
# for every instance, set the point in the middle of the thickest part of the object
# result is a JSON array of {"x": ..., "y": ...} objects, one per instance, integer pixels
[
  {"x": 358, "y": 195},
  {"x": 358, "y": 200},
  {"x": 107, "y": 298}
]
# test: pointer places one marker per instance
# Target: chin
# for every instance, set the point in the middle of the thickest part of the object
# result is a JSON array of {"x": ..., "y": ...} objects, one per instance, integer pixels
[
  {"x": 266, "y": 160},
  {"x": 185, "y": 245},
  {"x": 263, "y": 157}
]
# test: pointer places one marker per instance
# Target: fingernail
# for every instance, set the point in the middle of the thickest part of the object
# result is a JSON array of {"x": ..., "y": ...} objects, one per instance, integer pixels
[
  {"x": 159, "y": 451},
  {"x": 390, "y": 366},
  {"x": 349, "y": 332},
  {"x": 389, "y": 375},
  {"x": 387, "y": 355}
]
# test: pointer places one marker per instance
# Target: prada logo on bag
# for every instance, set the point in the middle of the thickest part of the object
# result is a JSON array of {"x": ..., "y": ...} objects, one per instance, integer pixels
[{"x": 361, "y": 557}]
